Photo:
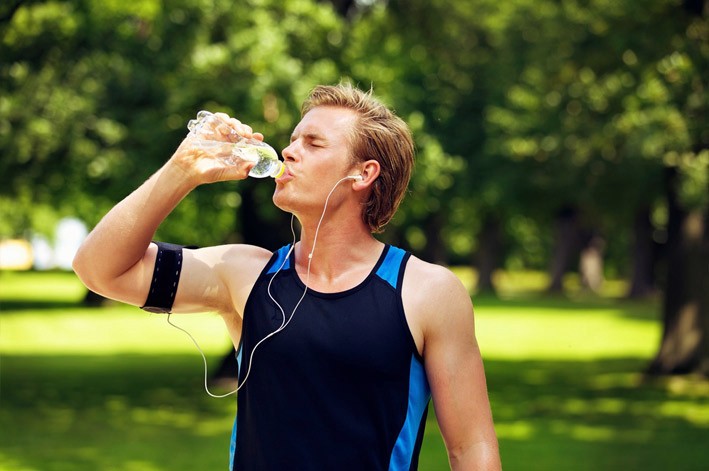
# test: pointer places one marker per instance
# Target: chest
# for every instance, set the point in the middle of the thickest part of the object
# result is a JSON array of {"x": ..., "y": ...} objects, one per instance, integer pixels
[{"x": 360, "y": 334}]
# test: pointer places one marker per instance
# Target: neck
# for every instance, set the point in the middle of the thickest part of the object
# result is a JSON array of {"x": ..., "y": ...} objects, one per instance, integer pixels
[{"x": 341, "y": 246}]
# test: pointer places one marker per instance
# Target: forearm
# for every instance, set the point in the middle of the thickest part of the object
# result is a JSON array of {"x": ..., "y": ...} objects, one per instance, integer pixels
[
  {"x": 121, "y": 238},
  {"x": 115, "y": 259}
]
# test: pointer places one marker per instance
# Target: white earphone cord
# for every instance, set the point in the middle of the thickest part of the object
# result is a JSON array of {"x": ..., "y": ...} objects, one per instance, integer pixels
[{"x": 284, "y": 323}]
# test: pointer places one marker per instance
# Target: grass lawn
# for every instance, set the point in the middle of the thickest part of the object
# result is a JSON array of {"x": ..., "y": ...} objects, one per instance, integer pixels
[{"x": 115, "y": 388}]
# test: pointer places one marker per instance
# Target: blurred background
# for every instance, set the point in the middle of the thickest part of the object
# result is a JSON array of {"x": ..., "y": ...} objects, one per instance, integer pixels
[{"x": 562, "y": 173}]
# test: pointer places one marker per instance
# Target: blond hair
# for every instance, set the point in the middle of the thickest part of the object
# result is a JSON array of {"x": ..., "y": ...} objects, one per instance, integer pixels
[{"x": 379, "y": 135}]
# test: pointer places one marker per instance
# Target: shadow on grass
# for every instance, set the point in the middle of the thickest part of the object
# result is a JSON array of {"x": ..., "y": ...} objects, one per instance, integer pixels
[
  {"x": 150, "y": 412},
  {"x": 596, "y": 415},
  {"x": 648, "y": 310},
  {"x": 122, "y": 412},
  {"x": 17, "y": 306}
]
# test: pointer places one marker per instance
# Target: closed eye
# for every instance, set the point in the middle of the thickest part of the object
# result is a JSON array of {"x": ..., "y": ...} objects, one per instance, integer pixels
[{"x": 311, "y": 139}]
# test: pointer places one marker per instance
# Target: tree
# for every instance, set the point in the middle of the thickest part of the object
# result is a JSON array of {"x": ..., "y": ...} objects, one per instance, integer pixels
[
  {"x": 685, "y": 337},
  {"x": 96, "y": 95},
  {"x": 604, "y": 120}
]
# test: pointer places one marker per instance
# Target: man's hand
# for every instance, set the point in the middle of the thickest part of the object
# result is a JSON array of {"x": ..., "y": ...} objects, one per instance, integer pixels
[{"x": 202, "y": 157}]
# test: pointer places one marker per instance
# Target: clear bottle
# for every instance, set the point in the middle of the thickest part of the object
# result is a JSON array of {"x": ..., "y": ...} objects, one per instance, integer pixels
[{"x": 250, "y": 150}]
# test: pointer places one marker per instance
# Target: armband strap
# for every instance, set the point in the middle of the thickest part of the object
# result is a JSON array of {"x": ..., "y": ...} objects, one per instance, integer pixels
[{"x": 166, "y": 276}]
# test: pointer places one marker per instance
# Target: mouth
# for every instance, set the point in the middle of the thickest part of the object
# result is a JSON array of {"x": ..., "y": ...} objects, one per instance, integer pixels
[{"x": 286, "y": 177}]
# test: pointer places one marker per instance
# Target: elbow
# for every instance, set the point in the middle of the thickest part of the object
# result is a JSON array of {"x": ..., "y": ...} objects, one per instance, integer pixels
[
  {"x": 79, "y": 263},
  {"x": 483, "y": 455},
  {"x": 76, "y": 263},
  {"x": 83, "y": 269}
]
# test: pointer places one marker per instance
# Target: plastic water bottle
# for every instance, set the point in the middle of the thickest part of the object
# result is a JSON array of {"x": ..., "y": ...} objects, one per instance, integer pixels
[{"x": 250, "y": 150}]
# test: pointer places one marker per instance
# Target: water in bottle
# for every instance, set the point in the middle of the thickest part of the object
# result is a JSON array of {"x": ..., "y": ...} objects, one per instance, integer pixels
[{"x": 250, "y": 150}]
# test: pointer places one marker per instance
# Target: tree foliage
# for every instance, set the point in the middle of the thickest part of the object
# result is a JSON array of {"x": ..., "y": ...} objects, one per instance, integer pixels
[
  {"x": 519, "y": 108},
  {"x": 96, "y": 95}
]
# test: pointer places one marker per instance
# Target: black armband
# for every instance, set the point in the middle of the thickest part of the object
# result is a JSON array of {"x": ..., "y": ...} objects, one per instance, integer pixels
[{"x": 166, "y": 276}]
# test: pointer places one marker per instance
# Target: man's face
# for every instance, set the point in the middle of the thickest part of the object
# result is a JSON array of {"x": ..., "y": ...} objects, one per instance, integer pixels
[{"x": 317, "y": 157}]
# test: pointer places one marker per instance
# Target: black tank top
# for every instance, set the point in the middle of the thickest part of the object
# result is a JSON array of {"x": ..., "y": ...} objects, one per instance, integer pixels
[{"x": 343, "y": 387}]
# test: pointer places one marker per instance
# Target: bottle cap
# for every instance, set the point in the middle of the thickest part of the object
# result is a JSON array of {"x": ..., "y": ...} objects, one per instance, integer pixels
[{"x": 281, "y": 170}]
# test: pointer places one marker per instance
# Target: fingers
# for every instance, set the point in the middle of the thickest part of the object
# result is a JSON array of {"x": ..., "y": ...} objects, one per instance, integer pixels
[
  {"x": 236, "y": 170},
  {"x": 206, "y": 154},
  {"x": 229, "y": 125},
  {"x": 209, "y": 161}
]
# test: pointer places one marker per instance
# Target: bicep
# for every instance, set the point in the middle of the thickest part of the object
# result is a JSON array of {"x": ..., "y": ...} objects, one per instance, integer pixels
[
  {"x": 202, "y": 287},
  {"x": 219, "y": 279},
  {"x": 458, "y": 387},
  {"x": 455, "y": 369}
]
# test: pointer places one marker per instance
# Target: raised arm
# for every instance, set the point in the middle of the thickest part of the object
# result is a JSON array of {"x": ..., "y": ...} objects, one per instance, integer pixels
[
  {"x": 441, "y": 316},
  {"x": 117, "y": 258}
]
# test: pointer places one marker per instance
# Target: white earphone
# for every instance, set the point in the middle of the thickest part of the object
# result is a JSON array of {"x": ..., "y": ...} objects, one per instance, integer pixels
[{"x": 287, "y": 320}]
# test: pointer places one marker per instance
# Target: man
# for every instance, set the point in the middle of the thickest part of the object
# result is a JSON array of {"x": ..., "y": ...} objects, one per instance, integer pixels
[{"x": 341, "y": 338}]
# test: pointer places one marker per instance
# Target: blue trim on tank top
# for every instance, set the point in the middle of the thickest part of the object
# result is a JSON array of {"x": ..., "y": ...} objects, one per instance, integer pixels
[
  {"x": 389, "y": 269},
  {"x": 232, "y": 444},
  {"x": 419, "y": 395},
  {"x": 282, "y": 255}
]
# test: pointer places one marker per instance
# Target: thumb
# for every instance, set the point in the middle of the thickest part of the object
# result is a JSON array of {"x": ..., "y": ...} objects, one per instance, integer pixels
[{"x": 235, "y": 168}]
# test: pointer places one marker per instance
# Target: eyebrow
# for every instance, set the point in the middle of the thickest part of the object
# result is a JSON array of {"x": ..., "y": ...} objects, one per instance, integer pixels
[{"x": 309, "y": 135}]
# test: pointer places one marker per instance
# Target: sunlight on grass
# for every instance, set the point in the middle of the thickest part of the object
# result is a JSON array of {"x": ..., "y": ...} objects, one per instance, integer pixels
[
  {"x": 503, "y": 331},
  {"x": 31, "y": 286},
  {"x": 585, "y": 326},
  {"x": 7, "y": 463},
  {"x": 107, "y": 331},
  {"x": 528, "y": 332},
  {"x": 512, "y": 284},
  {"x": 116, "y": 328},
  {"x": 516, "y": 430}
]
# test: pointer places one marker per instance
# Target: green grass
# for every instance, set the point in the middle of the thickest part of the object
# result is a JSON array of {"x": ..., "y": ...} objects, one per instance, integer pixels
[{"x": 115, "y": 388}]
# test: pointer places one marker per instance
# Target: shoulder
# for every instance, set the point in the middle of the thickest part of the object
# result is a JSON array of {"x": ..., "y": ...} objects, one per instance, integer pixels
[
  {"x": 428, "y": 280},
  {"x": 435, "y": 301},
  {"x": 245, "y": 253}
]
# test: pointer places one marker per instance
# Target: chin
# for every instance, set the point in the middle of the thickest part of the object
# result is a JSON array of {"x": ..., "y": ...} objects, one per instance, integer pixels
[{"x": 281, "y": 201}]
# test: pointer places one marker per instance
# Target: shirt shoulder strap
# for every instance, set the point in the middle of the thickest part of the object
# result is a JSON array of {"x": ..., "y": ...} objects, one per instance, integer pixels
[
  {"x": 280, "y": 260},
  {"x": 392, "y": 268}
]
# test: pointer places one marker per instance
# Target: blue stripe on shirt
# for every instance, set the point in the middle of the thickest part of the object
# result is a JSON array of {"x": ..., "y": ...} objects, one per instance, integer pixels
[
  {"x": 389, "y": 269},
  {"x": 419, "y": 395}
]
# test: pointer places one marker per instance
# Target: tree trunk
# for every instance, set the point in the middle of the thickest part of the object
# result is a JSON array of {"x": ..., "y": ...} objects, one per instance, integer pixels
[
  {"x": 435, "y": 250},
  {"x": 255, "y": 230},
  {"x": 685, "y": 344},
  {"x": 488, "y": 255},
  {"x": 591, "y": 263},
  {"x": 566, "y": 242},
  {"x": 643, "y": 281},
  {"x": 343, "y": 7},
  {"x": 703, "y": 277}
]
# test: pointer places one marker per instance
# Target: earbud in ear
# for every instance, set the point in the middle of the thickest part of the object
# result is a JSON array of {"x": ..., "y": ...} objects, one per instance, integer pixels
[{"x": 355, "y": 177}]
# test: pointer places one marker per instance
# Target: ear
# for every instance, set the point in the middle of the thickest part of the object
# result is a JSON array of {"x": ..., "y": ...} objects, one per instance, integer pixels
[{"x": 369, "y": 171}]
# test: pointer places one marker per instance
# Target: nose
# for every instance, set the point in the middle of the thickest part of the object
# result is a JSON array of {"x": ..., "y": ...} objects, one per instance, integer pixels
[{"x": 290, "y": 152}]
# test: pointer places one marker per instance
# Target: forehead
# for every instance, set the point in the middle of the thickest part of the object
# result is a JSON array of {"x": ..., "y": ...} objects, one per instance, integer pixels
[{"x": 327, "y": 122}]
